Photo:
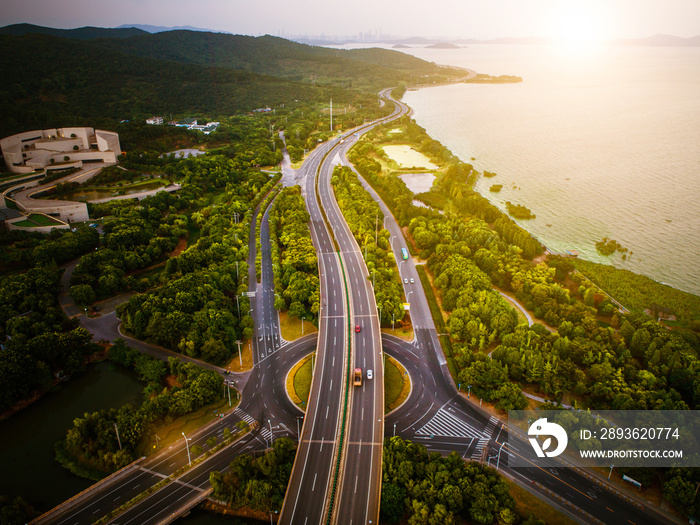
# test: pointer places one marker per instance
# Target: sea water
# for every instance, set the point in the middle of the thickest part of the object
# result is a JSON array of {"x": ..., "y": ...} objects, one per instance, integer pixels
[{"x": 597, "y": 143}]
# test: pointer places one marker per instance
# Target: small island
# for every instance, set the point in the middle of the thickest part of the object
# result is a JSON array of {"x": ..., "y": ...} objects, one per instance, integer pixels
[
  {"x": 608, "y": 247},
  {"x": 443, "y": 45},
  {"x": 496, "y": 188},
  {"x": 518, "y": 211},
  {"x": 488, "y": 79}
]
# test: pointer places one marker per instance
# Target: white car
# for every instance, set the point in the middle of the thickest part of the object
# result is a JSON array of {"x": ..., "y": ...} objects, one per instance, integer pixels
[
  {"x": 405, "y": 281},
  {"x": 369, "y": 374},
  {"x": 412, "y": 281}
]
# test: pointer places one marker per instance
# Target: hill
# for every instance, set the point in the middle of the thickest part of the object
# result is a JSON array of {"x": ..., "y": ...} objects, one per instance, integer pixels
[
  {"x": 359, "y": 68},
  {"x": 159, "y": 29},
  {"x": 64, "y": 82},
  {"x": 81, "y": 33}
]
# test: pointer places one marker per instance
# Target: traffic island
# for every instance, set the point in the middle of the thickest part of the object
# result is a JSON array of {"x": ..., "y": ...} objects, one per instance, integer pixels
[
  {"x": 298, "y": 381},
  {"x": 397, "y": 385}
]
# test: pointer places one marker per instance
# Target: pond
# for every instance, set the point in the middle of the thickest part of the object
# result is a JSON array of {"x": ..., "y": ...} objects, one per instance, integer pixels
[
  {"x": 27, "y": 438},
  {"x": 418, "y": 182}
]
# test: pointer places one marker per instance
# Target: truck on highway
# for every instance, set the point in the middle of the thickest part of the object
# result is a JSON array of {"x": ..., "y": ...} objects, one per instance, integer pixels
[{"x": 358, "y": 377}]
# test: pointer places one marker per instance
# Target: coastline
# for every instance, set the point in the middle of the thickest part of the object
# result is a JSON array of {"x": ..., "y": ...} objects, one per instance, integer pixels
[
  {"x": 572, "y": 231},
  {"x": 630, "y": 290}
]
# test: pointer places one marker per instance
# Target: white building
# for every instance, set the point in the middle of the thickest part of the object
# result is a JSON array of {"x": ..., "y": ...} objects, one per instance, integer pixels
[
  {"x": 154, "y": 121},
  {"x": 35, "y": 150}
]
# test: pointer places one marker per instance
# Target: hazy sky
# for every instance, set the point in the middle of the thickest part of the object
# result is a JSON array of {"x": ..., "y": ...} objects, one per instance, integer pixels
[{"x": 481, "y": 19}]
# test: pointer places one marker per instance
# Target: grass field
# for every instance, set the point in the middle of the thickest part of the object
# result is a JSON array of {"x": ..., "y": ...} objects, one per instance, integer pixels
[
  {"x": 291, "y": 327},
  {"x": 528, "y": 504},
  {"x": 397, "y": 385},
  {"x": 43, "y": 220},
  {"x": 247, "y": 354},
  {"x": 404, "y": 332},
  {"x": 172, "y": 432},
  {"x": 299, "y": 381}
]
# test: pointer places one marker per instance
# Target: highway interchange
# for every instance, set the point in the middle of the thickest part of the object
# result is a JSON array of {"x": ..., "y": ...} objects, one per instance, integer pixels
[{"x": 434, "y": 414}]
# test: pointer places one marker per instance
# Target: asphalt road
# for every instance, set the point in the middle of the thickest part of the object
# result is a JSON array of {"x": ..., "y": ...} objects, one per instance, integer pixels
[
  {"x": 310, "y": 482},
  {"x": 434, "y": 415}
]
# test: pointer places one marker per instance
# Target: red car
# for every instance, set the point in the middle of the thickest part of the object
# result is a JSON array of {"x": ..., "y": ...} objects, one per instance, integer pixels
[{"x": 357, "y": 328}]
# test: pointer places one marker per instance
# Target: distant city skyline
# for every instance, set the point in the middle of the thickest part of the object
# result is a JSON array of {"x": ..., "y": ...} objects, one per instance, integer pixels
[{"x": 447, "y": 19}]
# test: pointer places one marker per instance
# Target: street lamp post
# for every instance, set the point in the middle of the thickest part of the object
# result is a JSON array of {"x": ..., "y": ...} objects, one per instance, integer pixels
[
  {"x": 392, "y": 321},
  {"x": 238, "y": 304},
  {"x": 302, "y": 325},
  {"x": 610, "y": 473},
  {"x": 187, "y": 444},
  {"x": 394, "y": 429},
  {"x": 118, "y": 440},
  {"x": 229, "y": 393},
  {"x": 498, "y": 461},
  {"x": 409, "y": 295},
  {"x": 469, "y": 391},
  {"x": 272, "y": 434},
  {"x": 240, "y": 356}
]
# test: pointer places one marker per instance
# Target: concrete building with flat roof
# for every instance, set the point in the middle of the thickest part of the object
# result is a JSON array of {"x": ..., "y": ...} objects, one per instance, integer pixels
[{"x": 35, "y": 150}]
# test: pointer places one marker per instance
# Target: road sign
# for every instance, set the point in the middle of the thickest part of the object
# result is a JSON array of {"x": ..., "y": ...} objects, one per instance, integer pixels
[
  {"x": 407, "y": 306},
  {"x": 250, "y": 294}
]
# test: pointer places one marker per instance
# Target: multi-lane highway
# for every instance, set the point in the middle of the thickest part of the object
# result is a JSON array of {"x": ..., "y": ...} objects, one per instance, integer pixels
[
  {"x": 309, "y": 490},
  {"x": 434, "y": 415}
]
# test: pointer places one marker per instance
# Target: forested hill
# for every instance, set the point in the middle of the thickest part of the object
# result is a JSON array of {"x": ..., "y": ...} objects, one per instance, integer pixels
[
  {"x": 53, "y": 81},
  {"x": 79, "y": 33},
  {"x": 359, "y": 68},
  {"x": 57, "y": 81}
]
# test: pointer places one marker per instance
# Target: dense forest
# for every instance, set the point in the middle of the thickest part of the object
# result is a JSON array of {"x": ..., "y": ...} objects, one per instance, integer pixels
[
  {"x": 581, "y": 347},
  {"x": 100, "y": 82},
  {"x": 39, "y": 341},
  {"x": 257, "y": 483},
  {"x": 295, "y": 264}
]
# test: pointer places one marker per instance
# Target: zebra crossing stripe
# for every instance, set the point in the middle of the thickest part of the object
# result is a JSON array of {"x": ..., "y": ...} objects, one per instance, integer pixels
[
  {"x": 447, "y": 425},
  {"x": 264, "y": 430}
]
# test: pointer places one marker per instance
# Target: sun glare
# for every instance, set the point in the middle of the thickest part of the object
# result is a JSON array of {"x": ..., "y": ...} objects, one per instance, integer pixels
[{"x": 576, "y": 29}]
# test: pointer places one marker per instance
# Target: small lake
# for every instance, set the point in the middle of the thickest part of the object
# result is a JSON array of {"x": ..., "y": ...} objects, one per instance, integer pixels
[
  {"x": 27, "y": 438},
  {"x": 418, "y": 182}
]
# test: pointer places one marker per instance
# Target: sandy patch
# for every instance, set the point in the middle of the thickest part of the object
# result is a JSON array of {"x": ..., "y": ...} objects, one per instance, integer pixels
[{"x": 407, "y": 157}]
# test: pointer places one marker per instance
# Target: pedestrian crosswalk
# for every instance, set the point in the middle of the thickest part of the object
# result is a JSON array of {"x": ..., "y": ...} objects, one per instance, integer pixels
[
  {"x": 264, "y": 430},
  {"x": 484, "y": 439},
  {"x": 445, "y": 424}
]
